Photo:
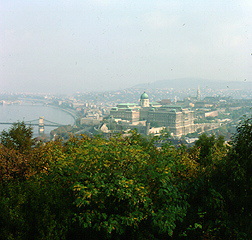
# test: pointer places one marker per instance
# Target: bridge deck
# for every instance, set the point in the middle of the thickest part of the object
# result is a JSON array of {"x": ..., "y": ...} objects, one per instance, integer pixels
[
  {"x": 35, "y": 124},
  {"x": 45, "y": 123}
]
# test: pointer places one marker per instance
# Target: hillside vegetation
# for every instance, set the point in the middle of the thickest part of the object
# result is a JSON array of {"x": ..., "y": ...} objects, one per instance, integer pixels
[{"x": 125, "y": 187}]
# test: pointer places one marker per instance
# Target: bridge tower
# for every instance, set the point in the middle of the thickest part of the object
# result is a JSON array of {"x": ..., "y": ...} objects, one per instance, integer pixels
[{"x": 41, "y": 128}]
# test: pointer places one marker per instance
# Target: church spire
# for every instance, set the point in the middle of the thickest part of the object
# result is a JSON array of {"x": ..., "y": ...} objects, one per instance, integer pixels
[{"x": 198, "y": 93}]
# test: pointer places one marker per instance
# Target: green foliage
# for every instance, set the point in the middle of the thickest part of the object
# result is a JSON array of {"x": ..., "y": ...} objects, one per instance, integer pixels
[
  {"x": 121, "y": 187},
  {"x": 34, "y": 210},
  {"x": 164, "y": 133},
  {"x": 220, "y": 195},
  {"x": 237, "y": 177},
  {"x": 211, "y": 148},
  {"x": 112, "y": 187},
  {"x": 126, "y": 188},
  {"x": 13, "y": 164},
  {"x": 237, "y": 114},
  {"x": 64, "y": 132},
  {"x": 18, "y": 137},
  {"x": 242, "y": 145}
]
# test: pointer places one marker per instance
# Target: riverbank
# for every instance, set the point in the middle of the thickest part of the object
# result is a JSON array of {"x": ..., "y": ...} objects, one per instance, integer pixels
[
  {"x": 31, "y": 112},
  {"x": 72, "y": 113}
]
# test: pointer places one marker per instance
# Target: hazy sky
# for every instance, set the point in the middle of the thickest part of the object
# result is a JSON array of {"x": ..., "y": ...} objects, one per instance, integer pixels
[{"x": 81, "y": 45}]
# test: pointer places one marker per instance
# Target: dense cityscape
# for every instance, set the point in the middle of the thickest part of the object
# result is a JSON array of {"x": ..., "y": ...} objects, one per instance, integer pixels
[{"x": 112, "y": 112}]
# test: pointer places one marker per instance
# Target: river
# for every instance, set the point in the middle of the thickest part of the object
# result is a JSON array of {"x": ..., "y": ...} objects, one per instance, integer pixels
[{"x": 28, "y": 112}]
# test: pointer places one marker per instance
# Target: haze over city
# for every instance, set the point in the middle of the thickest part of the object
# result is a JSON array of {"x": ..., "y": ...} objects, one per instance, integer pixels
[{"x": 69, "y": 46}]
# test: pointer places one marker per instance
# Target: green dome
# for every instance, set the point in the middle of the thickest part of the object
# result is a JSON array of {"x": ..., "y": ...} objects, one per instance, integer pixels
[{"x": 144, "y": 96}]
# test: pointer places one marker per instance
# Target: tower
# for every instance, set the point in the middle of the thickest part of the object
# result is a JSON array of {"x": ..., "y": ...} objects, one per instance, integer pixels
[
  {"x": 144, "y": 100},
  {"x": 198, "y": 93},
  {"x": 41, "y": 126}
]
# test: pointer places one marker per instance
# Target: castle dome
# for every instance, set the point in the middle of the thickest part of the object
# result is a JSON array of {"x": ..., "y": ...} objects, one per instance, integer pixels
[{"x": 144, "y": 96}]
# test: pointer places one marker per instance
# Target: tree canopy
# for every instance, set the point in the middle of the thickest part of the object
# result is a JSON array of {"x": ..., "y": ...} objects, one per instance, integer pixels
[
  {"x": 125, "y": 187},
  {"x": 18, "y": 137}
]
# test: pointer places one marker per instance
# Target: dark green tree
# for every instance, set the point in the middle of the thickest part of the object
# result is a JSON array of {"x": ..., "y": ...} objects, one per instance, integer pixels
[
  {"x": 18, "y": 137},
  {"x": 211, "y": 149},
  {"x": 221, "y": 196},
  {"x": 238, "y": 179},
  {"x": 242, "y": 146},
  {"x": 205, "y": 216}
]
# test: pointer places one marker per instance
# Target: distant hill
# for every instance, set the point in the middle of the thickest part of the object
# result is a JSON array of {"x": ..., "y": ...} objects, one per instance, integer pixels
[{"x": 182, "y": 83}]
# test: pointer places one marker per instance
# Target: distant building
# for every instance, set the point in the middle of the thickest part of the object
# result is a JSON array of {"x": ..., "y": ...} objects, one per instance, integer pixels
[
  {"x": 198, "y": 94},
  {"x": 177, "y": 120}
]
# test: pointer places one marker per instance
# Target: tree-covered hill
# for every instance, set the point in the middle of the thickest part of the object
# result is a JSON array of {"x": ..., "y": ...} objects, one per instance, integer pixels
[{"x": 125, "y": 187}]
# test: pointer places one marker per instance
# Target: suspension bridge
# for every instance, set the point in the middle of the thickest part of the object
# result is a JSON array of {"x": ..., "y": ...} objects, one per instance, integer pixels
[{"x": 41, "y": 122}]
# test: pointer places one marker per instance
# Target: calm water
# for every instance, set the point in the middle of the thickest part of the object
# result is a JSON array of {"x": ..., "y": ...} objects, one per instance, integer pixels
[{"x": 23, "y": 112}]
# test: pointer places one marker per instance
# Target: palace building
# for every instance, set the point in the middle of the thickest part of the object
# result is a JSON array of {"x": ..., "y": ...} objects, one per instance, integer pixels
[{"x": 178, "y": 121}]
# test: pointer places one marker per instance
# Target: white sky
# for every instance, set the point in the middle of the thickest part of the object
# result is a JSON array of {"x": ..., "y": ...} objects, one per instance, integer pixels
[{"x": 80, "y": 45}]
